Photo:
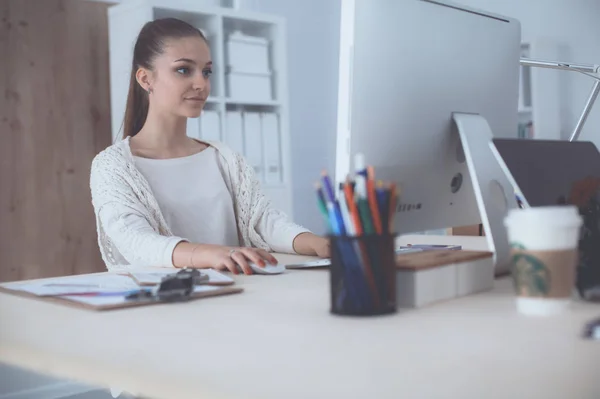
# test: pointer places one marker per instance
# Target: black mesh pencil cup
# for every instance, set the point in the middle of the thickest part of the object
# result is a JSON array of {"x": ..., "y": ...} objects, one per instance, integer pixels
[{"x": 363, "y": 275}]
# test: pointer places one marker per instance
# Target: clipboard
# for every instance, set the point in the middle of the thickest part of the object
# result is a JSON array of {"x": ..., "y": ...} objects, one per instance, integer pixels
[
  {"x": 113, "y": 295},
  {"x": 152, "y": 276}
]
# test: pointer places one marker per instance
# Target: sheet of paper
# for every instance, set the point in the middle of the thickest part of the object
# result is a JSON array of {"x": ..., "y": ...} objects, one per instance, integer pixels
[{"x": 107, "y": 282}]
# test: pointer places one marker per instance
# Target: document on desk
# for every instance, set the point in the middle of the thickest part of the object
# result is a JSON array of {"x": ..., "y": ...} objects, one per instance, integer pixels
[
  {"x": 102, "y": 291},
  {"x": 87, "y": 283}
]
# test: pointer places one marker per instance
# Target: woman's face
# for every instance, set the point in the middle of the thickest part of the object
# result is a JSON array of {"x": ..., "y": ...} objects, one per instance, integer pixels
[{"x": 180, "y": 80}]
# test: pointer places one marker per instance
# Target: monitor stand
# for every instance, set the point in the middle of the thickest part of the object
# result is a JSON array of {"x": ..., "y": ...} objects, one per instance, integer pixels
[{"x": 493, "y": 191}]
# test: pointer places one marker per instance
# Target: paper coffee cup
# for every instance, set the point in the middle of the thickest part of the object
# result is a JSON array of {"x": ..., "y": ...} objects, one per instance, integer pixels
[{"x": 544, "y": 254}]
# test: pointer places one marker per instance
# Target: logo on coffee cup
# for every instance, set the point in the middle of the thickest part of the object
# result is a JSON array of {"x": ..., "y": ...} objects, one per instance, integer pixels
[{"x": 530, "y": 275}]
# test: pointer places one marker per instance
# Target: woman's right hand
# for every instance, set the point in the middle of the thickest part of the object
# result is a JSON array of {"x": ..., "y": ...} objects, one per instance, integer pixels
[{"x": 227, "y": 258}]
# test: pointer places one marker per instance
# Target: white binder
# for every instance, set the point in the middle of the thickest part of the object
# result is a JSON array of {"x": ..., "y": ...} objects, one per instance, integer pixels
[
  {"x": 210, "y": 126},
  {"x": 271, "y": 148},
  {"x": 193, "y": 128},
  {"x": 253, "y": 143},
  {"x": 234, "y": 136}
]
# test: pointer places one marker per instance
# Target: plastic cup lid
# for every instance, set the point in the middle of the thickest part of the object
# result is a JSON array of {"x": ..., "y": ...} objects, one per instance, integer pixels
[{"x": 559, "y": 215}]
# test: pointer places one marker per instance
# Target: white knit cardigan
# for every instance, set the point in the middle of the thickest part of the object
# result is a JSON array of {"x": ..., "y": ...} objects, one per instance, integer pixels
[{"x": 114, "y": 178}]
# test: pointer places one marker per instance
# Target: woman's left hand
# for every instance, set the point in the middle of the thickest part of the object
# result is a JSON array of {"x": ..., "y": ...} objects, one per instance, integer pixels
[
  {"x": 311, "y": 244},
  {"x": 322, "y": 247}
]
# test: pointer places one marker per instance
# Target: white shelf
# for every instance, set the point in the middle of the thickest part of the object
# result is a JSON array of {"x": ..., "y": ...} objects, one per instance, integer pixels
[
  {"x": 272, "y": 103},
  {"x": 217, "y": 23}
]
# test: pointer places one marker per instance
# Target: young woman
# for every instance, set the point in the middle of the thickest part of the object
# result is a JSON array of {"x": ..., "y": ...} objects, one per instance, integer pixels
[{"x": 164, "y": 199}]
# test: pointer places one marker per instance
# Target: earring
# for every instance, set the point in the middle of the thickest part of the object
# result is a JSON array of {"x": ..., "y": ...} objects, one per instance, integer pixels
[{"x": 149, "y": 90}]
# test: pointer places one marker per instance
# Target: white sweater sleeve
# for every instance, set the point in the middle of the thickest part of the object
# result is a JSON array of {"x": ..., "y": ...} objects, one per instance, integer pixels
[
  {"x": 274, "y": 226},
  {"x": 278, "y": 231},
  {"x": 135, "y": 239}
]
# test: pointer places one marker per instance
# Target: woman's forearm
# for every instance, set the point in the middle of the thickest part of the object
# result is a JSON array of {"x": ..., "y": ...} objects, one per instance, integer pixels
[
  {"x": 188, "y": 254},
  {"x": 305, "y": 244}
]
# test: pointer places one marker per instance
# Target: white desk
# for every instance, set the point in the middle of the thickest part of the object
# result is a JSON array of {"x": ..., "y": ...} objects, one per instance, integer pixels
[{"x": 278, "y": 340}]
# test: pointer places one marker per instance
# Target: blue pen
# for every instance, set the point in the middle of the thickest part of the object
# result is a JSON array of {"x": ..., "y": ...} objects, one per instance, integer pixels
[
  {"x": 333, "y": 220},
  {"x": 336, "y": 206}
]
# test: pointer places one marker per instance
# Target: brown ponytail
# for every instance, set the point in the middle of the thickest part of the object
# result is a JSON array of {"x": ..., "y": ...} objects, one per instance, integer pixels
[{"x": 149, "y": 44}]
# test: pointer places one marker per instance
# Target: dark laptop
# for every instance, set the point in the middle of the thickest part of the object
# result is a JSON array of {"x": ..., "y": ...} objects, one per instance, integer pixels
[
  {"x": 546, "y": 170},
  {"x": 550, "y": 172}
]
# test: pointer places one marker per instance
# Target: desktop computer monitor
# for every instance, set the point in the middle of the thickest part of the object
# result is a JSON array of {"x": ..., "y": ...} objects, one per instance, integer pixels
[{"x": 407, "y": 68}]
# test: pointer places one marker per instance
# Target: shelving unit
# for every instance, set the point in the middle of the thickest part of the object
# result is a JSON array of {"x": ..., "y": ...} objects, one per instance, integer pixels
[
  {"x": 220, "y": 24},
  {"x": 539, "y": 94}
]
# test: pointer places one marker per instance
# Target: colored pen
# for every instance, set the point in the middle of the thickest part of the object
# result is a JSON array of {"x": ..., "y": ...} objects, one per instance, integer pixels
[
  {"x": 354, "y": 215},
  {"x": 346, "y": 215},
  {"x": 333, "y": 204},
  {"x": 363, "y": 205},
  {"x": 323, "y": 207},
  {"x": 372, "y": 200},
  {"x": 383, "y": 205}
]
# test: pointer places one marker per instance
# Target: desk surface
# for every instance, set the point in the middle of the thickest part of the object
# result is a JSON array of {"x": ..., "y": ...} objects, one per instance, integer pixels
[{"x": 278, "y": 340}]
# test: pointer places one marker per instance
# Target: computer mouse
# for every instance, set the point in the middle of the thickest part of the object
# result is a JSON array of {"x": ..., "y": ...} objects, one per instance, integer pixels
[{"x": 268, "y": 269}]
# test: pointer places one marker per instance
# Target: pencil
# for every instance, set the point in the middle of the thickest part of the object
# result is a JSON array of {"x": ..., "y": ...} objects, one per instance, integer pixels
[{"x": 372, "y": 198}]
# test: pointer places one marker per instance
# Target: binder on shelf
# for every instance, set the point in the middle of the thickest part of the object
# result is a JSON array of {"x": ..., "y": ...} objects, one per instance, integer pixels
[
  {"x": 249, "y": 86},
  {"x": 210, "y": 126},
  {"x": 271, "y": 148},
  {"x": 247, "y": 53},
  {"x": 193, "y": 128},
  {"x": 254, "y": 147},
  {"x": 234, "y": 136}
]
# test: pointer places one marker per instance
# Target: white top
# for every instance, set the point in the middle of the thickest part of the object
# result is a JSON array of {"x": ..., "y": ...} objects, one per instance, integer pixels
[
  {"x": 193, "y": 197},
  {"x": 132, "y": 230},
  {"x": 277, "y": 339}
]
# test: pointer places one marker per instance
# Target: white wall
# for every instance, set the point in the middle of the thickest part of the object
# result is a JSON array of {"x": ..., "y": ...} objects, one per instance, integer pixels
[
  {"x": 572, "y": 24},
  {"x": 313, "y": 49}
]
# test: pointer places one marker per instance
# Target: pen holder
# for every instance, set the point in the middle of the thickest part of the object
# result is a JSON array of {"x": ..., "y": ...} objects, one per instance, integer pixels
[{"x": 363, "y": 275}]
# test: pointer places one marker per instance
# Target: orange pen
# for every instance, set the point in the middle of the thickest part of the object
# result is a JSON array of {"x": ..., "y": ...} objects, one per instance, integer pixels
[{"x": 352, "y": 208}]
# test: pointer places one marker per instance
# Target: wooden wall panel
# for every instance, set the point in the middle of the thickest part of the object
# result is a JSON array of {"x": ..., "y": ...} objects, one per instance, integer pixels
[{"x": 54, "y": 117}]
